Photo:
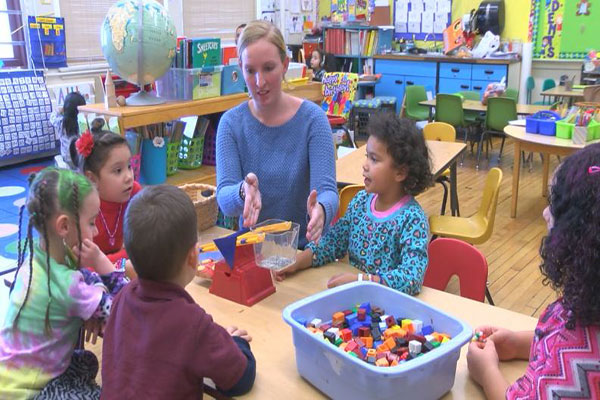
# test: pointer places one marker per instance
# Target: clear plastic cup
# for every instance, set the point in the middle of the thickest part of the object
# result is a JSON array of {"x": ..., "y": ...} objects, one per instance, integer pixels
[{"x": 278, "y": 249}]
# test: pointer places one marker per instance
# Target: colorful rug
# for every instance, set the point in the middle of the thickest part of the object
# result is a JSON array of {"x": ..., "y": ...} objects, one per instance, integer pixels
[{"x": 13, "y": 192}]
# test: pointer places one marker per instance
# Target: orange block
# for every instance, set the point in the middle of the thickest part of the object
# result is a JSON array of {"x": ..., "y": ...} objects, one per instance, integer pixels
[
  {"x": 338, "y": 317},
  {"x": 368, "y": 341},
  {"x": 382, "y": 348},
  {"x": 382, "y": 362},
  {"x": 390, "y": 343}
]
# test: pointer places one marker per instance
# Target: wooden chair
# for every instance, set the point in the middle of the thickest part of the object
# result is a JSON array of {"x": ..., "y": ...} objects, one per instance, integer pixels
[
  {"x": 477, "y": 228},
  {"x": 443, "y": 132},
  {"x": 449, "y": 257},
  {"x": 347, "y": 193}
]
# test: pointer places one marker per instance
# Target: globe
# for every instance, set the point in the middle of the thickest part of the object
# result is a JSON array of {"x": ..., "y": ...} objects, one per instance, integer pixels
[{"x": 138, "y": 40}]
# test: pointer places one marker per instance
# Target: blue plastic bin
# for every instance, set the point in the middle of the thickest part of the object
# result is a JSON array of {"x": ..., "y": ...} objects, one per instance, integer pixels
[
  {"x": 341, "y": 376},
  {"x": 542, "y": 122}
]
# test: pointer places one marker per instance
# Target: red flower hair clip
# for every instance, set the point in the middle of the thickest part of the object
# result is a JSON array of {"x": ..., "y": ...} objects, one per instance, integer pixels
[{"x": 85, "y": 144}]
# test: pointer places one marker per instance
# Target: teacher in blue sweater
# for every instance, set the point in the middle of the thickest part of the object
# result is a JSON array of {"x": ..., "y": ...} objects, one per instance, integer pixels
[{"x": 276, "y": 139}]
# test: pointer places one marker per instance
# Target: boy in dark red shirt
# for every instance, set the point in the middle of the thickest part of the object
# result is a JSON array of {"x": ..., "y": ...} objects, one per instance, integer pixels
[{"x": 158, "y": 343}]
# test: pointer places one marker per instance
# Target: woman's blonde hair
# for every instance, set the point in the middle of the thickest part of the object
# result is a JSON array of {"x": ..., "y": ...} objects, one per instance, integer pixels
[{"x": 257, "y": 30}]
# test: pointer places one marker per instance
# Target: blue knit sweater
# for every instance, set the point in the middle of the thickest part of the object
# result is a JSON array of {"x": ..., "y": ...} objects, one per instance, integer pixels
[{"x": 289, "y": 160}]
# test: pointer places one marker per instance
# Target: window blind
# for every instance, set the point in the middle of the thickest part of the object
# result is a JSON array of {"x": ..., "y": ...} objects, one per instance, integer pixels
[
  {"x": 216, "y": 18},
  {"x": 83, "y": 19}
]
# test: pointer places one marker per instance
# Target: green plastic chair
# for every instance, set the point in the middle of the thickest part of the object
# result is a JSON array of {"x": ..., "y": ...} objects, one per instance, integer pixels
[
  {"x": 530, "y": 85},
  {"x": 470, "y": 115},
  {"x": 512, "y": 94},
  {"x": 500, "y": 110},
  {"x": 547, "y": 85},
  {"x": 448, "y": 109},
  {"x": 415, "y": 111}
]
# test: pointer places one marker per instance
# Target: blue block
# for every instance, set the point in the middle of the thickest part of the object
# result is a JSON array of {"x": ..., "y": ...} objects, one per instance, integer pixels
[
  {"x": 351, "y": 319},
  {"x": 354, "y": 329},
  {"x": 367, "y": 307},
  {"x": 301, "y": 321},
  {"x": 377, "y": 343},
  {"x": 364, "y": 352},
  {"x": 427, "y": 330}
]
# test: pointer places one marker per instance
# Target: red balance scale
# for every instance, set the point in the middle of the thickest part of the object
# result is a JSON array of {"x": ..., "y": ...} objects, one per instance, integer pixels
[{"x": 237, "y": 277}]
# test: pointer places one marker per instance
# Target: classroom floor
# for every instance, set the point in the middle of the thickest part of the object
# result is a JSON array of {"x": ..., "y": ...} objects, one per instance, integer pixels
[{"x": 514, "y": 278}]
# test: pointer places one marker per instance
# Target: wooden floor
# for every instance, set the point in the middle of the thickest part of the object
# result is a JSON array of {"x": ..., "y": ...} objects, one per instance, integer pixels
[{"x": 515, "y": 281}]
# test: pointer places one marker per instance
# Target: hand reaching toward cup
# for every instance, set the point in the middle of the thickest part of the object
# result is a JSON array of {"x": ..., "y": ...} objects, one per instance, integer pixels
[
  {"x": 316, "y": 215},
  {"x": 252, "y": 200}
]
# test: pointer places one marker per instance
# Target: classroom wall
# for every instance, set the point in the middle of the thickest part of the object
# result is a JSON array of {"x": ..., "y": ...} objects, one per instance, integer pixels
[{"x": 516, "y": 19}]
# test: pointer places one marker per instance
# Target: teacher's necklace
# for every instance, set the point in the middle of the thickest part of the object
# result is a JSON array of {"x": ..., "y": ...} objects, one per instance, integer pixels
[{"x": 111, "y": 235}]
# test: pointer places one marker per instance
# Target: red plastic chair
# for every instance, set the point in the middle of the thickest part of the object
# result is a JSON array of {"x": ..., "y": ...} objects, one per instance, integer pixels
[{"x": 448, "y": 257}]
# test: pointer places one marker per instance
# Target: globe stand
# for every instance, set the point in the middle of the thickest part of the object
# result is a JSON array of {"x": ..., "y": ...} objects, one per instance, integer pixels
[{"x": 143, "y": 98}]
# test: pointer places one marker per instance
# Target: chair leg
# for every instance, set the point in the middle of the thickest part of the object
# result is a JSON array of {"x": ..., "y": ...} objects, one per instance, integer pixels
[
  {"x": 501, "y": 147},
  {"x": 445, "y": 198},
  {"x": 488, "y": 295},
  {"x": 479, "y": 148}
]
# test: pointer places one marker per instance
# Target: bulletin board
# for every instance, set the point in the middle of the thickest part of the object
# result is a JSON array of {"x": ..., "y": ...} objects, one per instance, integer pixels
[
  {"x": 561, "y": 29},
  {"x": 419, "y": 18},
  {"x": 25, "y": 109}
]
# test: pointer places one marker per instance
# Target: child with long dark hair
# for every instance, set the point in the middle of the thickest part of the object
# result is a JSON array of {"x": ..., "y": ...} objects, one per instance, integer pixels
[
  {"x": 107, "y": 163},
  {"x": 66, "y": 126},
  {"x": 564, "y": 349},
  {"x": 51, "y": 296}
]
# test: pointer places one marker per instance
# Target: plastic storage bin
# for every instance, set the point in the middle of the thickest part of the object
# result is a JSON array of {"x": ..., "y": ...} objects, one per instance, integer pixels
[
  {"x": 341, "y": 376},
  {"x": 542, "y": 122},
  {"x": 172, "y": 157},
  {"x": 190, "y": 84},
  {"x": 564, "y": 130},
  {"x": 190, "y": 152},
  {"x": 232, "y": 80}
]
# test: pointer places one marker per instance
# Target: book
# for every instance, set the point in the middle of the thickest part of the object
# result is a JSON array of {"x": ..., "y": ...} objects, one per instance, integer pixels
[{"x": 206, "y": 52}]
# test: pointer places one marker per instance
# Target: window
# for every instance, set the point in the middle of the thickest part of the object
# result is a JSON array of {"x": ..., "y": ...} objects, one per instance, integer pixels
[
  {"x": 83, "y": 20},
  {"x": 216, "y": 18},
  {"x": 12, "y": 40}
]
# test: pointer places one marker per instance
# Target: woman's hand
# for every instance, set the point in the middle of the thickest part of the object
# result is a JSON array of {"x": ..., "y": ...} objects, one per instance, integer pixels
[
  {"x": 92, "y": 329},
  {"x": 234, "y": 331},
  {"x": 252, "y": 202},
  {"x": 341, "y": 279},
  {"x": 316, "y": 215}
]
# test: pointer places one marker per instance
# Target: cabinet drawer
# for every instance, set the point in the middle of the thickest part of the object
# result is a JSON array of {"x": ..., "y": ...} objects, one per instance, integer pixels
[
  {"x": 391, "y": 85},
  {"x": 479, "y": 86},
  {"x": 490, "y": 73},
  {"x": 455, "y": 70},
  {"x": 416, "y": 68},
  {"x": 451, "y": 86}
]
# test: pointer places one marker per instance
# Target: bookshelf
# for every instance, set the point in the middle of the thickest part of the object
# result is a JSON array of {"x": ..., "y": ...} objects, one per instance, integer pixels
[{"x": 355, "y": 43}]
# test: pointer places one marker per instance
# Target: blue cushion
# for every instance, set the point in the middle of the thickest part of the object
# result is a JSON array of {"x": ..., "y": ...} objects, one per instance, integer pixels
[
  {"x": 387, "y": 100},
  {"x": 368, "y": 103}
]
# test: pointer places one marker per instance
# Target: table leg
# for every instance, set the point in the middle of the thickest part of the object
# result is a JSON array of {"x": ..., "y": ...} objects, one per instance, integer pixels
[
  {"x": 453, "y": 191},
  {"x": 515, "y": 179},
  {"x": 430, "y": 114},
  {"x": 545, "y": 173}
]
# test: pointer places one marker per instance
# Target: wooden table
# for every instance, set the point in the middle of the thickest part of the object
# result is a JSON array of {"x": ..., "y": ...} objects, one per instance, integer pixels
[
  {"x": 546, "y": 145},
  {"x": 130, "y": 116},
  {"x": 272, "y": 345},
  {"x": 561, "y": 91},
  {"x": 475, "y": 105},
  {"x": 348, "y": 169}
]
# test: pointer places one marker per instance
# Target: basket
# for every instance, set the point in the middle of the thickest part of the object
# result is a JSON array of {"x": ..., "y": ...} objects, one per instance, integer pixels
[
  {"x": 190, "y": 153},
  {"x": 206, "y": 206},
  {"x": 172, "y": 157},
  {"x": 542, "y": 122}
]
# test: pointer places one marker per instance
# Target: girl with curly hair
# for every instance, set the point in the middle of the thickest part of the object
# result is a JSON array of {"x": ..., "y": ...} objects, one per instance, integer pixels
[
  {"x": 564, "y": 349},
  {"x": 52, "y": 297},
  {"x": 384, "y": 231}
]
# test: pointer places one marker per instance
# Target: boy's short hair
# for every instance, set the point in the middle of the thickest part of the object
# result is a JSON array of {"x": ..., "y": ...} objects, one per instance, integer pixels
[
  {"x": 159, "y": 230},
  {"x": 407, "y": 147}
]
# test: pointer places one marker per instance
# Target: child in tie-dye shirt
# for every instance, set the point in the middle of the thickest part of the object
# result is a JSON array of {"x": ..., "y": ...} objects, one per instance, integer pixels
[
  {"x": 564, "y": 349},
  {"x": 51, "y": 297},
  {"x": 384, "y": 231}
]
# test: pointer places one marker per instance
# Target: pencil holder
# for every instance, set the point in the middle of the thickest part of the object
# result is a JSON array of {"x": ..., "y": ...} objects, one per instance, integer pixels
[
  {"x": 135, "y": 161},
  {"x": 190, "y": 152},
  {"x": 172, "y": 157},
  {"x": 154, "y": 162}
]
